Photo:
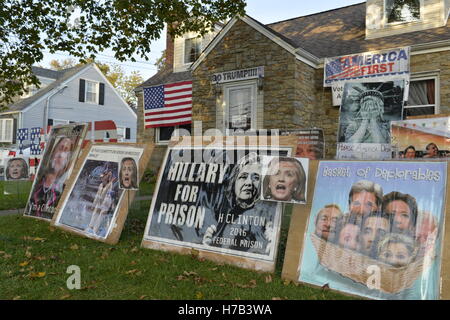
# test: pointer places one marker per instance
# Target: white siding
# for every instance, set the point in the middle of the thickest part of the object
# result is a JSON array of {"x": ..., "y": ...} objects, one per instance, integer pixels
[
  {"x": 178, "y": 54},
  {"x": 432, "y": 14},
  {"x": 65, "y": 106}
]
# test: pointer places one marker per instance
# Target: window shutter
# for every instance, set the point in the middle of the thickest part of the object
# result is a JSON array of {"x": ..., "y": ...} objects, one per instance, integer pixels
[
  {"x": 14, "y": 133},
  {"x": 101, "y": 100},
  {"x": 50, "y": 122},
  {"x": 127, "y": 133},
  {"x": 82, "y": 90}
]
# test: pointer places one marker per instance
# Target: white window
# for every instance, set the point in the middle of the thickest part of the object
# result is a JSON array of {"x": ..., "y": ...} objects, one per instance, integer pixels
[
  {"x": 163, "y": 134},
  {"x": 192, "y": 49},
  {"x": 121, "y": 131},
  {"x": 240, "y": 106},
  {"x": 59, "y": 121},
  {"x": 6, "y": 130},
  {"x": 402, "y": 11},
  {"x": 423, "y": 97},
  {"x": 91, "y": 92}
]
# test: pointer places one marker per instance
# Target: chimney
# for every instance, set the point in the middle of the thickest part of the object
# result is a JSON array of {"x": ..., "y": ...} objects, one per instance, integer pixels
[{"x": 169, "y": 50}]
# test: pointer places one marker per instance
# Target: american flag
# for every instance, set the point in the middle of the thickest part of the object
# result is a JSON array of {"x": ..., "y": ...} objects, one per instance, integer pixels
[
  {"x": 168, "y": 105},
  {"x": 22, "y": 134}
]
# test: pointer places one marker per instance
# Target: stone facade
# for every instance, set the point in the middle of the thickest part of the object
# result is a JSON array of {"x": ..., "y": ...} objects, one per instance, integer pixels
[{"x": 292, "y": 96}]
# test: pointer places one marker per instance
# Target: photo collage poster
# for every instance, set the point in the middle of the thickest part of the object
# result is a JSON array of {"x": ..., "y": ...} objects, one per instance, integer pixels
[
  {"x": 364, "y": 121},
  {"x": 60, "y": 154},
  {"x": 376, "y": 229},
  {"x": 427, "y": 138},
  {"x": 93, "y": 201},
  {"x": 209, "y": 199}
]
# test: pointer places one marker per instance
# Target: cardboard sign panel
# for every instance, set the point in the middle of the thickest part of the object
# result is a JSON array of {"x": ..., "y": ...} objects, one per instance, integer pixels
[
  {"x": 421, "y": 138},
  {"x": 61, "y": 152},
  {"x": 364, "y": 121},
  {"x": 207, "y": 199},
  {"x": 94, "y": 205},
  {"x": 285, "y": 179},
  {"x": 374, "y": 229},
  {"x": 310, "y": 144},
  {"x": 17, "y": 169}
]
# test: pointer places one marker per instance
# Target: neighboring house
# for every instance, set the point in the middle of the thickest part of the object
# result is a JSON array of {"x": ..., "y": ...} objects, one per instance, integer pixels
[
  {"x": 78, "y": 94},
  {"x": 275, "y": 71}
]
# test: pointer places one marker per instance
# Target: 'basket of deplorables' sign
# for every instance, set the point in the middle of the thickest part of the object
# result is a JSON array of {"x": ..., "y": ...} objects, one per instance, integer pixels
[
  {"x": 354, "y": 265},
  {"x": 374, "y": 229}
]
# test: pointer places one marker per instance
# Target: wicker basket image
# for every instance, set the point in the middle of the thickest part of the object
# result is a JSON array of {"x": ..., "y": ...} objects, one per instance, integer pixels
[{"x": 354, "y": 265}]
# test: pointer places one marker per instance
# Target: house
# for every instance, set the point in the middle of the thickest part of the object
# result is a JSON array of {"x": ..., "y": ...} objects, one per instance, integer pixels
[
  {"x": 271, "y": 76},
  {"x": 78, "y": 94}
]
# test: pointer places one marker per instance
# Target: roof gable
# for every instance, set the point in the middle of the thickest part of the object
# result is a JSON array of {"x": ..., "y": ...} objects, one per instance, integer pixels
[{"x": 28, "y": 102}]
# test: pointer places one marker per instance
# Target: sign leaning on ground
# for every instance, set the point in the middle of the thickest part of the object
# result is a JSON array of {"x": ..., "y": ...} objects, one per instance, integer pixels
[
  {"x": 101, "y": 190},
  {"x": 207, "y": 199},
  {"x": 61, "y": 151},
  {"x": 381, "y": 233}
]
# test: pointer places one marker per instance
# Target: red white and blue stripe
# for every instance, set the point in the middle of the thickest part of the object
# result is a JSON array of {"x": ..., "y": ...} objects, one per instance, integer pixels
[{"x": 168, "y": 105}]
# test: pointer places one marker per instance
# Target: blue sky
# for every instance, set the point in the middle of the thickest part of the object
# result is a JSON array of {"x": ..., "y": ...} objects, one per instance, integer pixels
[{"x": 265, "y": 11}]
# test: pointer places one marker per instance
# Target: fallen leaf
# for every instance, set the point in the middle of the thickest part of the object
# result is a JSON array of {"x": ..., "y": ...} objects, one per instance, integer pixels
[
  {"x": 286, "y": 282},
  {"x": 269, "y": 279},
  {"x": 133, "y": 263},
  {"x": 134, "y": 271},
  {"x": 24, "y": 264},
  {"x": 199, "y": 295},
  {"x": 28, "y": 254},
  {"x": 37, "y": 274},
  {"x": 134, "y": 249},
  {"x": 16, "y": 298},
  {"x": 66, "y": 296},
  {"x": 7, "y": 256},
  {"x": 39, "y": 258},
  {"x": 276, "y": 298},
  {"x": 252, "y": 284},
  {"x": 326, "y": 287},
  {"x": 191, "y": 273},
  {"x": 74, "y": 247},
  {"x": 142, "y": 297}
]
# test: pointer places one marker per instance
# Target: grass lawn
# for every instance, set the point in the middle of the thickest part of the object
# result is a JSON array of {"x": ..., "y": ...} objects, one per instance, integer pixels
[
  {"x": 34, "y": 258},
  {"x": 14, "y": 194}
]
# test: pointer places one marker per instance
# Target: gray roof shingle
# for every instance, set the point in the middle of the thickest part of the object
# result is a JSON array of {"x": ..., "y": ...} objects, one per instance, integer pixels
[
  {"x": 342, "y": 31},
  {"x": 63, "y": 75},
  {"x": 331, "y": 33},
  {"x": 165, "y": 76}
]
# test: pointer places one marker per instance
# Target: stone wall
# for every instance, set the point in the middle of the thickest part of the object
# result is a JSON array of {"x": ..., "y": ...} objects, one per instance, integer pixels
[
  {"x": 243, "y": 47},
  {"x": 293, "y": 94}
]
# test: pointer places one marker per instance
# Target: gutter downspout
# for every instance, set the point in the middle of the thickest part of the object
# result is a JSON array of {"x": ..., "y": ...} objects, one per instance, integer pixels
[{"x": 47, "y": 107}]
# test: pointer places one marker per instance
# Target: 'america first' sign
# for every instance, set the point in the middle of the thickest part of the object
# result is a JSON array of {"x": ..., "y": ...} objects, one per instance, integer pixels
[{"x": 368, "y": 65}]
